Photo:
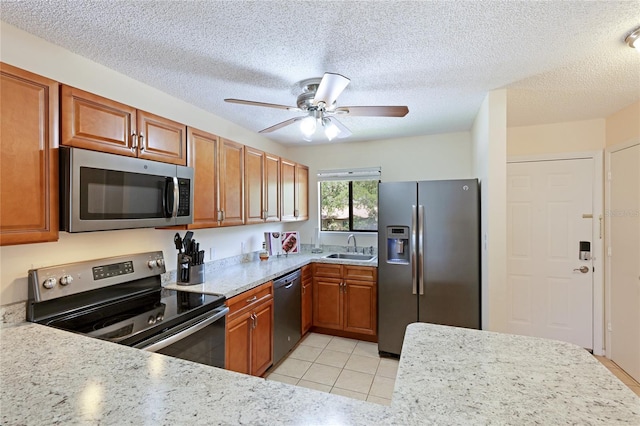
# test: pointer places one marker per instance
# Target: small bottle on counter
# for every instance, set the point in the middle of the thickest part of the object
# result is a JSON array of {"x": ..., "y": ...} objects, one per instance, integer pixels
[{"x": 264, "y": 254}]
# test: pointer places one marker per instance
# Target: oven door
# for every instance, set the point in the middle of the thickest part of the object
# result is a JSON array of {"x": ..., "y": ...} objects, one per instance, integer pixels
[{"x": 201, "y": 339}]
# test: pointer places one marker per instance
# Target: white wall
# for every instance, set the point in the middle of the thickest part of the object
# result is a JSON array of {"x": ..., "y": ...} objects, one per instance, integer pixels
[
  {"x": 445, "y": 156},
  {"x": 574, "y": 136},
  {"x": 489, "y": 148}
]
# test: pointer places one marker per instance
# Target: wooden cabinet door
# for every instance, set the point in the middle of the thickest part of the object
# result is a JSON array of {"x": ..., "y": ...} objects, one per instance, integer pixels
[
  {"x": 203, "y": 156},
  {"x": 302, "y": 192},
  {"x": 287, "y": 190},
  {"x": 254, "y": 179},
  {"x": 238, "y": 344},
  {"x": 92, "y": 122},
  {"x": 161, "y": 139},
  {"x": 327, "y": 302},
  {"x": 262, "y": 339},
  {"x": 231, "y": 178},
  {"x": 28, "y": 157},
  {"x": 360, "y": 301},
  {"x": 272, "y": 188}
]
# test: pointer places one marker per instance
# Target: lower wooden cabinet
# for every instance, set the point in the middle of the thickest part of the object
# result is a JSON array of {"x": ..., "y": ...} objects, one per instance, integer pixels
[
  {"x": 249, "y": 334},
  {"x": 307, "y": 298},
  {"x": 345, "y": 298}
]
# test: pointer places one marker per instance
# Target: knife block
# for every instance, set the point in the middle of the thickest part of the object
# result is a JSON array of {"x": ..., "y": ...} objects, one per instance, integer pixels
[{"x": 195, "y": 275}]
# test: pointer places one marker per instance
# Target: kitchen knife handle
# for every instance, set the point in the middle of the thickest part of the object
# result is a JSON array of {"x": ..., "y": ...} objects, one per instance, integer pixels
[
  {"x": 421, "y": 232},
  {"x": 414, "y": 248}
]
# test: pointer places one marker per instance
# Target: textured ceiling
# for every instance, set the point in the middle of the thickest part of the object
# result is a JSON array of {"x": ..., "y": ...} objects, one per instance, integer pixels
[{"x": 559, "y": 60}]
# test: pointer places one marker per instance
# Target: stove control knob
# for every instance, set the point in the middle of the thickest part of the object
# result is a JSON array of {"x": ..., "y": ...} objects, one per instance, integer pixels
[
  {"x": 159, "y": 317},
  {"x": 160, "y": 262},
  {"x": 151, "y": 320},
  {"x": 49, "y": 283},
  {"x": 152, "y": 264},
  {"x": 66, "y": 279}
]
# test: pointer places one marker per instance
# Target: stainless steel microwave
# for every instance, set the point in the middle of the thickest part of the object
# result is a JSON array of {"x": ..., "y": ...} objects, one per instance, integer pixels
[{"x": 100, "y": 192}]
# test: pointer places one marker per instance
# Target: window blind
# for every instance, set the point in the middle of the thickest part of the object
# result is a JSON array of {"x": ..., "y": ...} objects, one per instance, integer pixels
[{"x": 368, "y": 173}]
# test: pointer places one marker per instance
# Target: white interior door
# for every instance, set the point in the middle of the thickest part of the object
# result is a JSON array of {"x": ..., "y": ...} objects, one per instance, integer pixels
[
  {"x": 549, "y": 212},
  {"x": 624, "y": 260}
]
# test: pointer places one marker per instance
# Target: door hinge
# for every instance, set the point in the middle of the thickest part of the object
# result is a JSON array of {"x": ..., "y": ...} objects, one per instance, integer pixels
[{"x": 609, "y": 251}]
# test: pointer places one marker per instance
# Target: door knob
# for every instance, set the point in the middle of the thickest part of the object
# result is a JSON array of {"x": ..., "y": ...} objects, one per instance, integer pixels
[{"x": 583, "y": 269}]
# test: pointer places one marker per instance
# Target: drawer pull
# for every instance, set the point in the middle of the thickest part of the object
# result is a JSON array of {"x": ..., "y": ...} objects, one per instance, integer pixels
[{"x": 253, "y": 299}]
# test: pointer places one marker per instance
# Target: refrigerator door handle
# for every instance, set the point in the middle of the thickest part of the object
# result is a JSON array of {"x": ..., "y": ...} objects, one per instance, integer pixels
[
  {"x": 421, "y": 232},
  {"x": 414, "y": 248}
]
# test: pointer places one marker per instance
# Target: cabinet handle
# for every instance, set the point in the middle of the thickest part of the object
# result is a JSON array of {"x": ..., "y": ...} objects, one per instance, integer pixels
[
  {"x": 141, "y": 142},
  {"x": 253, "y": 299},
  {"x": 255, "y": 320},
  {"x": 134, "y": 142}
]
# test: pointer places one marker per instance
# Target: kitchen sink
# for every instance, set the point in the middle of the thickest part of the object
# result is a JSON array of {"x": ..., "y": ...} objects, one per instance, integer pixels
[{"x": 351, "y": 256}]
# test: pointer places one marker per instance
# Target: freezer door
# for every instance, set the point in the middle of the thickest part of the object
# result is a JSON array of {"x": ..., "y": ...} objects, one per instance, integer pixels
[
  {"x": 449, "y": 292},
  {"x": 397, "y": 303}
]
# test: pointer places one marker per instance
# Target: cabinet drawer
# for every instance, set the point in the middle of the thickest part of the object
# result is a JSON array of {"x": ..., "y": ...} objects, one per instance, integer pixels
[
  {"x": 366, "y": 273},
  {"x": 249, "y": 299},
  {"x": 327, "y": 270}
]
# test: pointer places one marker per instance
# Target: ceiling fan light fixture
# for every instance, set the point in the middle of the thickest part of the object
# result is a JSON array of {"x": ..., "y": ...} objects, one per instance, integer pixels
[
  {"x": 633, "y": 40},
  {"x": 330, "y": 129},
  {"x": 308, "y": 126}
]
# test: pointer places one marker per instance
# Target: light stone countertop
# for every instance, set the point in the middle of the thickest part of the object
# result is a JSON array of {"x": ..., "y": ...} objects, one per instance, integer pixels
[
  {"x": 446, "y": 376},
  {"x": 231, "y": 280}
]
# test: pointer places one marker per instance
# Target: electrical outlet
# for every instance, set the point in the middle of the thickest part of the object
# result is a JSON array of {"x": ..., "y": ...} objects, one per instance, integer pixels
[
  {"x": 242, "y": 245},
  {"x": 212, "y": 253}
]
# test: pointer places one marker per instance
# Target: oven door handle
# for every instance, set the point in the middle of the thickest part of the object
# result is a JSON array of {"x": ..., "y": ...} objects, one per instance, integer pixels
[{"x": 154, "y": 347}]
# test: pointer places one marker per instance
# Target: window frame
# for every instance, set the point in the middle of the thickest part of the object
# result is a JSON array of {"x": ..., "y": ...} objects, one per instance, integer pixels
[{"x": 348, "y": 176}]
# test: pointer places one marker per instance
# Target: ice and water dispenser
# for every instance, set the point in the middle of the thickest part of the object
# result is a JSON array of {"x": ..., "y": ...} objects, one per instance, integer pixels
[{"x": 398, "y": 249}]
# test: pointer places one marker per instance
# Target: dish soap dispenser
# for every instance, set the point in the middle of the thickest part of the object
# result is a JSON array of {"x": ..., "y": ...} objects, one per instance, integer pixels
[{"x": 264, "y": 254}]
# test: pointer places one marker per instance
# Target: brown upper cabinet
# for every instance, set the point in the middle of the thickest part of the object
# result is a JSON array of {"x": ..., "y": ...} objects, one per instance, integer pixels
[
  {"x": 294, "y": 187},
  {"x": 92, "y": 122},
  {"x": 203, "y": 157},
  {"x": 28, "y": 157},
  {"x": 231, "y": 183},
  {"x": 262, "y": 182}
]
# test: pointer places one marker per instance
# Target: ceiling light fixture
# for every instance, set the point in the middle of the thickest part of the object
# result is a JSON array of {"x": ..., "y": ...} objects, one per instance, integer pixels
[
  {"x": 308, "y": 126},
  {"x": 330, "y": 129},
  {"x": 633, "y": 39}
]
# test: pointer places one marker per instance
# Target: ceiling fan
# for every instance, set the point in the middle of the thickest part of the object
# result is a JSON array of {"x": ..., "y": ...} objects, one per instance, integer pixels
[{"x": 318, "y": 100}]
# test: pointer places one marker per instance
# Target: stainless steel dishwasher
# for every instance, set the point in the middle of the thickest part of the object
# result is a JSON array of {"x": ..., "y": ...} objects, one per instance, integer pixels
[{"x": 287, "y": 314}]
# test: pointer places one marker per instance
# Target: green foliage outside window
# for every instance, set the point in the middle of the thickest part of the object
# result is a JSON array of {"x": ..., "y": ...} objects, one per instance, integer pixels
[{"x": 349, "y": 205}]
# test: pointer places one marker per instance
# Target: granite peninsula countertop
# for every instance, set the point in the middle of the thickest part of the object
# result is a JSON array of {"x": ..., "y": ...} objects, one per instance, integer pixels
[{"x": 446, "y": 375}]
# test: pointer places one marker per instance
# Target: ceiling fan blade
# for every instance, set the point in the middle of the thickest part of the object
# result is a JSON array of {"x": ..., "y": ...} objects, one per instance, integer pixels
[
  {"x": 281, "y": 125},
  {"x": 374, "y": 111},
  {"x": 262, "y": 104},
  {"x": 330, "y": 88}
]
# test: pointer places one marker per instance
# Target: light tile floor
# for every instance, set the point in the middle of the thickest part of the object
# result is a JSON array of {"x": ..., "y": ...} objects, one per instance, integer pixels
[
  {"x": 354, "y": 369},
  {"x": 620, "y": 374},
  {"x": 338, "y": 365}
]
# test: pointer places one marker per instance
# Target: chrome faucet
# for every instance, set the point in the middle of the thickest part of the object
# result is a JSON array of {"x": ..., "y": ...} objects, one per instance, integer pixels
[{"x": 355, "y": 245}]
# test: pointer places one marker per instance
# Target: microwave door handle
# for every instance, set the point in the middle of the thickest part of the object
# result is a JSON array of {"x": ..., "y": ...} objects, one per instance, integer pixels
[
  {"x": 171, "y": 195},
  {"x": 176, "y": 197}
]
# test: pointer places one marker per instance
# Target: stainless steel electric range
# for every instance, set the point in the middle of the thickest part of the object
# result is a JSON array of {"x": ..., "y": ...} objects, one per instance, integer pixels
[{"x": 120, "y": 299}]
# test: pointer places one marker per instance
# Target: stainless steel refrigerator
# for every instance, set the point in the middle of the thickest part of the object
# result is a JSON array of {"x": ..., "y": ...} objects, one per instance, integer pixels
[{"x": 428, "y": 257}]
